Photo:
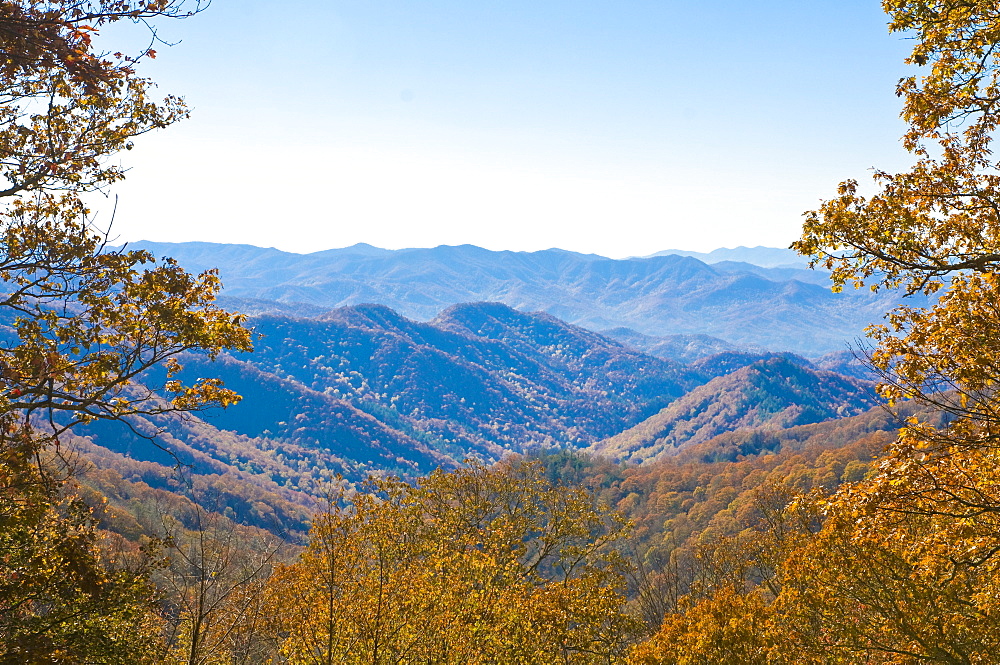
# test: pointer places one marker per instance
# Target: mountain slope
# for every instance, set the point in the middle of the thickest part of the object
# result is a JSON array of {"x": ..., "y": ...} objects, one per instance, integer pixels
[
  {"x": 776, "y": 392},
  {"x": 480, "y": 378},
  {"x": 362, "y": 389}
]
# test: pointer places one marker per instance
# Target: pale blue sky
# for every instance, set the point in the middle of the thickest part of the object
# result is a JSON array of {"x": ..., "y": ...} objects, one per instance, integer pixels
[{"x": 620, "y": 128}]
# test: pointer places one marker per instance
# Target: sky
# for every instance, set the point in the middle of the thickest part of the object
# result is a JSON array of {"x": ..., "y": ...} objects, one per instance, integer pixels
[{"x": 619, "y": 128}]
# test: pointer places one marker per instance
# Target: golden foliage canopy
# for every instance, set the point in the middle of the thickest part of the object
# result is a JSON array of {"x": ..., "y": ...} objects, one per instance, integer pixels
[
  {"x": 81, "y": 324},
  {"x": 479, "y": 565}
]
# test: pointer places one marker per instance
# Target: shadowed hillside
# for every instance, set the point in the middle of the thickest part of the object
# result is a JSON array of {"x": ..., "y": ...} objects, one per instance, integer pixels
[{"x": 363, "y": 389}]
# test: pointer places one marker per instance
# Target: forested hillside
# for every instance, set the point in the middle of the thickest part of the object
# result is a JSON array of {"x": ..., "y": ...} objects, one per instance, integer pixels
[
  {"x": 774, "y": 392},
  {"x": 363, "y": 390},
  {"x": 513, "y": 524}
]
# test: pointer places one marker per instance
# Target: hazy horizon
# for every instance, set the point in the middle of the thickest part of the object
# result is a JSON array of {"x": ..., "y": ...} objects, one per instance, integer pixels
[{"x": 615, "y": 129}]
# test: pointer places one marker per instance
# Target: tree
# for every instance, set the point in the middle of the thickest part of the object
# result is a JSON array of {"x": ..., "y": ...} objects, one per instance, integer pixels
[
  {"x": 89, "y": 321},
  {"x": 479, "y": 565},
  {"x": 82, "y": 324},
  {"x": 56, "y": 34},
  {"x": 869, "y": 587},
  {"x": 935, "y": 229},
  {"x": 61, "y": 599},
  {"x": 731, "y": 627},
  {"x": 904, "y": 568},
  {"x": 213, "y": 586}
]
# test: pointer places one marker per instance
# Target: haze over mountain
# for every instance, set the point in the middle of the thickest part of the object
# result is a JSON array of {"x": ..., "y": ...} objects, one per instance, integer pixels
[
  {"x": 765, "y": 257},
  {"x": 683, "y": 348},
  {"x": 743, "y": 304}
]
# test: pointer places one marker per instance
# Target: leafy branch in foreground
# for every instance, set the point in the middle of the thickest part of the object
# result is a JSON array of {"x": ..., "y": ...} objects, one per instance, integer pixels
[{"x": 478, "y": 565}]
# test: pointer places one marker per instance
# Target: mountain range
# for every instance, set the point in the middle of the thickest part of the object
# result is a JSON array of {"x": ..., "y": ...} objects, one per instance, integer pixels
[
  {"x": 777, "y": 308},
  {"x": 363, "y": 389}
]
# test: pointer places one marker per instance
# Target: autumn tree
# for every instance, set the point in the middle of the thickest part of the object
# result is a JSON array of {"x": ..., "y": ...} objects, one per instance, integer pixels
[
  {"x": 904, "y": 568},
  {"x": 212, "y": 588},
  {"x": 935, "y": 229},
  {"x": 480, "y": 565},
  {"x": 61, "y": 600},
  {"x": 82, "y": 323},
  {"x": 88, "y": 321}
]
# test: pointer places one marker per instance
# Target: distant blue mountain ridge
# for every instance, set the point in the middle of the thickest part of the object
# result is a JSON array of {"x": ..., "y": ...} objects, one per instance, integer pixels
[{"x": 763, "y": 300}]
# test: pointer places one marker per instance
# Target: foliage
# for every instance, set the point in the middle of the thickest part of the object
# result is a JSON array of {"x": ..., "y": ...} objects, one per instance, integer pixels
[
  {"x": 904, "y": 568},
  {"x": 713, "y": 500},
  {"x": 61, "y": 599},
  {"x": 135, "y": 494},
  {"x": 480, "y": 565},
  {"x": 213, "y": 586},
  {"x": 866, "y": 587},
  {"x": 81, "y": 324},
  {"x": 774, "y": 391},
  {"x": 88, "y": 321},
  {"x": 514, "y": 381},
  {"x": 730, "y": 628},
  {"x": 57, "y": 35}
]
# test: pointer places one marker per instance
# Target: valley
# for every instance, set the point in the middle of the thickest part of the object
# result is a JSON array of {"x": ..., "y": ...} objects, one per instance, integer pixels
[
  {"x": 363, "y": 389},
  {"x": 218, "y": 453},
  {"x": 690, "y": 431}
]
